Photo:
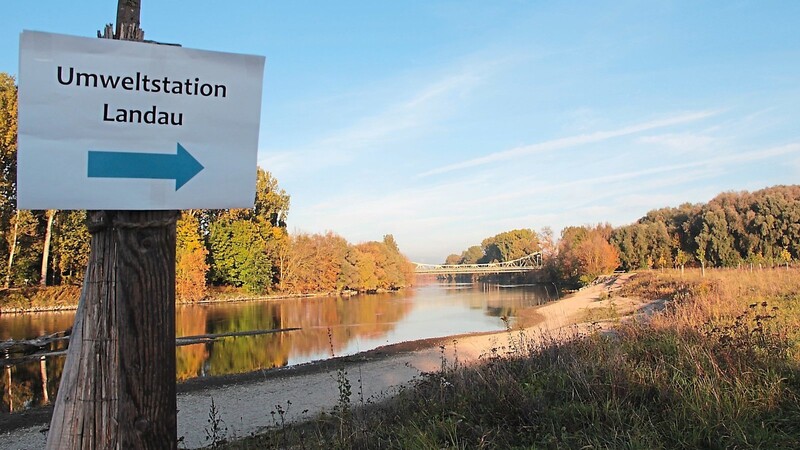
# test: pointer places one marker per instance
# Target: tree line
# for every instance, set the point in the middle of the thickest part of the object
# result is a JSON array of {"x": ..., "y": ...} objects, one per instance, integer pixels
[
  {"x": 760, "y": 228},
  {"x": 244, "y": 248},
  {"x": 734, "y": 229},
  {"x": 580, "y": 255}
]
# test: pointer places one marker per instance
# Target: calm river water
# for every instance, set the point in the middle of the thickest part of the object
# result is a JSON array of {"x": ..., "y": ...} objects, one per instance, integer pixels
[{"x": 329, "y": 326}]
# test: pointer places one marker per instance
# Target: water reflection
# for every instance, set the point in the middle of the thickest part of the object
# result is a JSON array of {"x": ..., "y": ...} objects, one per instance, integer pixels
[{"x": 329, "y": 326}]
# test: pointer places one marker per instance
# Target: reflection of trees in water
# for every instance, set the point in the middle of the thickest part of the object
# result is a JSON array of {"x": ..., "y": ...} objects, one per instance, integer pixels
[
  {"x": 189, "y": 359},
  {"x": 346, "y": 318},
  {"x": 29, "y": 326},
  {"x": 362, "y": 316},
  {"x": 17, "y": 389},
  {"x": 496, "y": 301},
  {"x": 33, "y": 383}
]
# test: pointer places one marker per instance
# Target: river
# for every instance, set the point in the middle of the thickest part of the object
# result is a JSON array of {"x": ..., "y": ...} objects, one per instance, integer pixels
[{"x": 329, "y": 326}]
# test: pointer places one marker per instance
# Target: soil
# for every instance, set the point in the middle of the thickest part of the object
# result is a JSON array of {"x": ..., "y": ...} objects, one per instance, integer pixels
[{"x": 247, "y": 403}]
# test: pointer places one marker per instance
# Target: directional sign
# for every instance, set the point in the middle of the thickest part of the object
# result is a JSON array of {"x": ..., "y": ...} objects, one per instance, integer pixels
[
  {"x": 108, "y": 124},
  {"x": 180, "y": 167}
]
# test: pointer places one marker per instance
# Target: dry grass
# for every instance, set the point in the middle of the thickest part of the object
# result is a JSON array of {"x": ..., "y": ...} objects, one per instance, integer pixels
[{"x": 39, "y": 299}]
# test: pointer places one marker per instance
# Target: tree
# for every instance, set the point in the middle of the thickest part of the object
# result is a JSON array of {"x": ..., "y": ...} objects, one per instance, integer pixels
[
  {"x": 452, "y": 259},
  {"x": 596, "y": 257},
  {"x": 702, "y": 249},
  {"x": 278, "y": 252},
  {"x": 48, "y": 236},
  {"x": 786, "y": 257},
  {"x": 510, "y": 245},
  {"x": 643, "y": 245},
  {"x": 71, "y": 246},
  {"x": 585, "y": 253},
  {"x": 8, "y": 149},
  {"x": 24, "y": 263},
  {"x": 190, "y": 259},
  {"x": 272, "y": 202},
  {"x": 239, "y": 255},
  {"x": 8, "y": 162},
  {"x": 471, "y": 255},
  {"x": 681, "y": 258},
  {"x": 547, "y": 243},
  {"x": 245, "y": 245},
  {"x": 319, "y": 262}
]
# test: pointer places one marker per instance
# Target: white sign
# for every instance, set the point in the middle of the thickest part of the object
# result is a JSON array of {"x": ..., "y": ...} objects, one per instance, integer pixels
[{"x": 107, "y": 124}]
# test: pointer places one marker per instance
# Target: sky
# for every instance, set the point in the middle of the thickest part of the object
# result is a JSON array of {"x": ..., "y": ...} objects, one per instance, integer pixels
[{"x": 447, "y": 122}]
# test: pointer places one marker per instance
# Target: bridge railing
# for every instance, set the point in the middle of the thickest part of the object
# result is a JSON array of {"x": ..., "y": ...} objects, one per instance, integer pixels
[{"x": 524, "y": 264}]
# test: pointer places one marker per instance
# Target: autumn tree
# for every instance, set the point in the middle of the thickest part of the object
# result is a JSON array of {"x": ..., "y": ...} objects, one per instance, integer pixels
[
  {"x": 8, "y": 167},
  {"x": 272, "y": 202},
  {"x": 392, "y": 269},
  {"x": 8, "y": 150},
  {"x": 278, "y": 248},
  {"x": 596, "y": 257},
  {"x": 786, "y": 257},
  {"x": 354, "y": 268},
  {"x": 190, "y": 259},
  {"x": 585, "y": 253},
  {"x": 731, "y": 229},
  {"x": 316, "y": 262}
]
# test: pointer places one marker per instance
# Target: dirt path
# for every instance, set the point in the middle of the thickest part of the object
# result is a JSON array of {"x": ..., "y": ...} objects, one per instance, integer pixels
[{"x": 245, "y": 403}]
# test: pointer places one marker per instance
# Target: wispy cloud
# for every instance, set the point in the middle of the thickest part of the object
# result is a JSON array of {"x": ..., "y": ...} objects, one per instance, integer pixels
[
  {"x": 420, "y": 109},
  {"x": 442, "y": 217},
  {"x": 601, "y": 182},
  {"x": 680, "y": 143},
  {"x": 571, "y": 141}
]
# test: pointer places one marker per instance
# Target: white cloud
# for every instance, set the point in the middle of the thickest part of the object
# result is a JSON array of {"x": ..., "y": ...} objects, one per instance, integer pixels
[
  {"x": 571, "y": 141},
  {"x": 680, "y": 143}
]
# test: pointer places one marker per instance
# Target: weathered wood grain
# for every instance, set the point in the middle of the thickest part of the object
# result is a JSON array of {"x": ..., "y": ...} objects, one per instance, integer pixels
[{"x": 118, "y": 385}]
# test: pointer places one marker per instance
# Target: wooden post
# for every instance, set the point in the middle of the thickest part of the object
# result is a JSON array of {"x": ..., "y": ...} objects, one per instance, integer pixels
[
  {"x": 118, "y": 384},
  {"x": 128, "y": 14}
]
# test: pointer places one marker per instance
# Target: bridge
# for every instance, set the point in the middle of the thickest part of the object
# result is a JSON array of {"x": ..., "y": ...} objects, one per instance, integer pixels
[{"x": 524, "y": 264}]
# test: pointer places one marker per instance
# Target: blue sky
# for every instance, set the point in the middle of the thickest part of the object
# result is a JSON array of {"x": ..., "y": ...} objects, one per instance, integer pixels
[{"x": 445, "y": 122}]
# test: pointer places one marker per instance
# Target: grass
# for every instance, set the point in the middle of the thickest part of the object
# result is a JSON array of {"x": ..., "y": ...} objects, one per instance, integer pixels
[
  {"x": 38, "y": 298},
  {"x": 608, "y": 313},
  {"x": 717, "y": 368}
]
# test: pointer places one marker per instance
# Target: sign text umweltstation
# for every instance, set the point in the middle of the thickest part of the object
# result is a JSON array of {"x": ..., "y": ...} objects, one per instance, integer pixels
[{"x": 141, "y": 83}]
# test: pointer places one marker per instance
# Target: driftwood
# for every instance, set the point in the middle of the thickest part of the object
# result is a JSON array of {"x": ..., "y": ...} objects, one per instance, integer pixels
[
  {"x": 204, "y": 338},
  {"x": 28, "y": 346},
  {"x": 9, "y": 362},
  {"x": 33, "y": 349}
]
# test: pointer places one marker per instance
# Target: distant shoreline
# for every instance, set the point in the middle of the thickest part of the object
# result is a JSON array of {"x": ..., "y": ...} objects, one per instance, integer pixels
[{"x": 206, "y": 301}]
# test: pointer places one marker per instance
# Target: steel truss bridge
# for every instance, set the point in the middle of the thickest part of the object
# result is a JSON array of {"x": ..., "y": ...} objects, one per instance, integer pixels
[{"x": 524, "y": 264}]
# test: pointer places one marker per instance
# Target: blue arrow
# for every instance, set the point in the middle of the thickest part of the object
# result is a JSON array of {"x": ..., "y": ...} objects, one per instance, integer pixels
[{"x": 180, "y": 167}]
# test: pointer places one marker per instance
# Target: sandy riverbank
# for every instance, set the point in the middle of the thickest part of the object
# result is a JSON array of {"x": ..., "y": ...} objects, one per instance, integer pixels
[{"x": 245, "y": 402}]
